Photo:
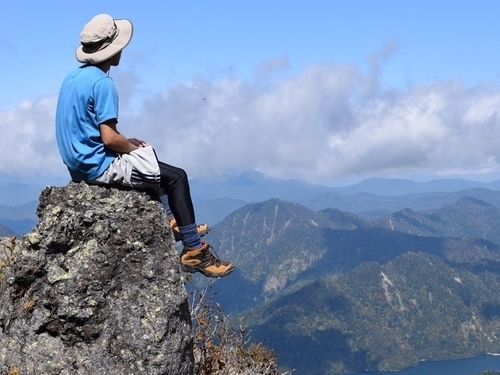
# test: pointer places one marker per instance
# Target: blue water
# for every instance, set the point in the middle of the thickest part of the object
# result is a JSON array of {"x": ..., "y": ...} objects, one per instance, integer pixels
[{"x": 467, "y": 366}]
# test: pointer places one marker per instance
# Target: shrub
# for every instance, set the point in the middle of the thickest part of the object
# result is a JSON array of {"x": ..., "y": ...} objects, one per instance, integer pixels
[{"x": 220, "y": 349}]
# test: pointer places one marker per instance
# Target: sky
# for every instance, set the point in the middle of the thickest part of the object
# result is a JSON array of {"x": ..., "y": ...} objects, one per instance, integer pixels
[{"x": 321, "y": 91}]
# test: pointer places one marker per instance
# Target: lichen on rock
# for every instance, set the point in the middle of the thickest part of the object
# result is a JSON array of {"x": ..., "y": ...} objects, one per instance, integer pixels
[{"x": 95, "y": 288}]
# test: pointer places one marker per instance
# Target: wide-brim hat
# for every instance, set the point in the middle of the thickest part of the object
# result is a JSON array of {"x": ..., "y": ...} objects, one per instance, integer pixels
[{"x": 102, "y": 38}]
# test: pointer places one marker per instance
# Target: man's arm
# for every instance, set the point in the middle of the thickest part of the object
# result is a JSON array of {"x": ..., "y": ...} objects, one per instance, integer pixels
[{"x": 113, "y": 139}]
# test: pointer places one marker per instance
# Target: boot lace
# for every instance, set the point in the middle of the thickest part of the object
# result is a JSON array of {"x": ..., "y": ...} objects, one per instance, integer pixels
[{"x": 213, "y": 259}]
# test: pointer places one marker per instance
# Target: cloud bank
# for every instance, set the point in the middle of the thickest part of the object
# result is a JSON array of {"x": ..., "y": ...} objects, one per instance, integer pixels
[{"x": 329, "y": 121}]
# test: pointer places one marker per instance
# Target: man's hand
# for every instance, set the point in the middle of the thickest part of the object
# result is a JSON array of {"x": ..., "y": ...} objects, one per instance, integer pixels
[{"x": 137, "y": 142}]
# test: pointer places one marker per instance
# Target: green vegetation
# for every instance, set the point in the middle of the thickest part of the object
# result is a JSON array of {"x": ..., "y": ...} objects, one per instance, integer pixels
[
  {"x": 332, "y": 293},
  {"x": 382, "y": 317}
]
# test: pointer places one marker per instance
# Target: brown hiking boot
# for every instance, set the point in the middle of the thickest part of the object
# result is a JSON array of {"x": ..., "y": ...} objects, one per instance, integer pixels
[
  {"x": 202, "y": 260},
  {"x": 203, "y": 230}
]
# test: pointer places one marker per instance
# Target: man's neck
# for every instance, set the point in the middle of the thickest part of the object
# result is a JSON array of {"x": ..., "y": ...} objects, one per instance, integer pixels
[{"x": 104, "y": 66}]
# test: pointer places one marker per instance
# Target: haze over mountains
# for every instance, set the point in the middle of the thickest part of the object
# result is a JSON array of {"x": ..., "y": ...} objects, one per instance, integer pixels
[
  {"x": 218, "y": 197},
  {"x": 372, "y": 198}
]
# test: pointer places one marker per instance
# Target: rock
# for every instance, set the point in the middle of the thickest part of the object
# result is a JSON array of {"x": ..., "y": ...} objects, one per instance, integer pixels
[{"x": 95, "y": 288}]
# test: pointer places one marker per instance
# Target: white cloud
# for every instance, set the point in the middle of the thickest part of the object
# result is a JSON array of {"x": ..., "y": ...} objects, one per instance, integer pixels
[
  {"x": 28, "y": 139},
  {"x": 329, "y": 121}
]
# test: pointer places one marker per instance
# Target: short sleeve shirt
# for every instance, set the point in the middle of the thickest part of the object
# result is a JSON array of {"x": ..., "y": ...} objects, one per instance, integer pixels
[{"x": 87, "y": 98}]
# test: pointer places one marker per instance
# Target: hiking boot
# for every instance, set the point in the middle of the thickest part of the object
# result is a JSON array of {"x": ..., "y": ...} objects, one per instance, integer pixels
[
  {"x": 202, "y": 260},
  {"x": 203, "y": 230}
]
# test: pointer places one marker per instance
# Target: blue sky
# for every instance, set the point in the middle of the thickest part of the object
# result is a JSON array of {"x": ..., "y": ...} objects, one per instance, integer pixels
[{"x": 324, "y": 91}]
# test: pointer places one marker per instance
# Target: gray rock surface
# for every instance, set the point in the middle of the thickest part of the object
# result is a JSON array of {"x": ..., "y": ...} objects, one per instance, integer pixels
[{"x": 95, "y": 288}]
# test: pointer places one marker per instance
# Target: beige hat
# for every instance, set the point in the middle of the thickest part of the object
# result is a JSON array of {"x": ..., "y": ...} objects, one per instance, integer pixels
[{"x": 102, "y": 38}]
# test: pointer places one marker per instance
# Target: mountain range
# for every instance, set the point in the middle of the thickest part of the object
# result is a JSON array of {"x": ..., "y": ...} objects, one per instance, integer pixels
[
  {"x": 371, "y": 198},
  {"x": 468, "y": 217},
  {"x": 332, "y": 292},
  {"x": 384, "y": 316},
  {"x": 217, "y": 197}
]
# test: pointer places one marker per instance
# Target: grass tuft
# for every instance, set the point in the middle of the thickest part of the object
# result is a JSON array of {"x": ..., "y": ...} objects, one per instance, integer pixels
[
  {"x": 219, "y": 349},
  {"x": 14, "y": 371}
]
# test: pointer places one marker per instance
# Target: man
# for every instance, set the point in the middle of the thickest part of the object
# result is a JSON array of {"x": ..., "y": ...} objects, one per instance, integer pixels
[{"x": 96, "y": 152}]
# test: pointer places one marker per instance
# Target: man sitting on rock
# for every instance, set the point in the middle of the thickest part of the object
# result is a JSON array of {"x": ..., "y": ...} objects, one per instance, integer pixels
[{"x": 96, "y": 152}]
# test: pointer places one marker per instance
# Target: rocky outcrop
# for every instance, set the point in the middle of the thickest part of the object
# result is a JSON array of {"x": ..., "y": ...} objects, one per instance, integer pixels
[{"x": 95, "y": 288}]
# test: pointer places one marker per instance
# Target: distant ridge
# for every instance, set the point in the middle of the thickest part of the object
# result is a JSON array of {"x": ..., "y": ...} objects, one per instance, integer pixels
[
  {"x": 253, "y": 186},
  {"x": 18, "y": 227},
  {"x": 388, "y": 187},
  {"x": 6, "y": 231},
  {"x": 218, "y": 196},
  {"x": 20, "y": 219},
  {"x": 372, "y": 206},
  {"x": 371, "y": 198},
  {"x": 15, "y": 194},
  {"x": 468, "y": 217}
]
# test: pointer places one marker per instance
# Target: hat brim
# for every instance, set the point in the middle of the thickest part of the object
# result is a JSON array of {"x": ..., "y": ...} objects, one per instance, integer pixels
[{"x": 119, "y": 43}]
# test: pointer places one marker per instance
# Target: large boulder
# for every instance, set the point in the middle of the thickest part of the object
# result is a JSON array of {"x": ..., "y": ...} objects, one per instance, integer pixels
[{"x": 95, "y": 288}]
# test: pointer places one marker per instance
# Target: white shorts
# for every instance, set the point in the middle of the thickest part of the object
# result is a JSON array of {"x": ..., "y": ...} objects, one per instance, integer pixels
[{"x": 138, "y": 169}]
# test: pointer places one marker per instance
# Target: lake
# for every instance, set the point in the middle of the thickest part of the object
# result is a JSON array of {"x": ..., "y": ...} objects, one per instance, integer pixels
[{"x": 466, "y": 366}]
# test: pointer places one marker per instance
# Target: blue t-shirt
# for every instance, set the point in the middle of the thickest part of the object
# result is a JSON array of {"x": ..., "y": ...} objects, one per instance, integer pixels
[{"x": 87, "y": 98}]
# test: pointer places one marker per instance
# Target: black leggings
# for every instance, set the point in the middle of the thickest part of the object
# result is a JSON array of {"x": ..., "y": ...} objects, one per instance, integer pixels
[{"x": 174, "y": 182}]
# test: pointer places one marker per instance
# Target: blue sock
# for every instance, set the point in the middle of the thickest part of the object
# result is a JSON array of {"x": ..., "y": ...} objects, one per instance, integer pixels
[{"x": 190, "y": 236}]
